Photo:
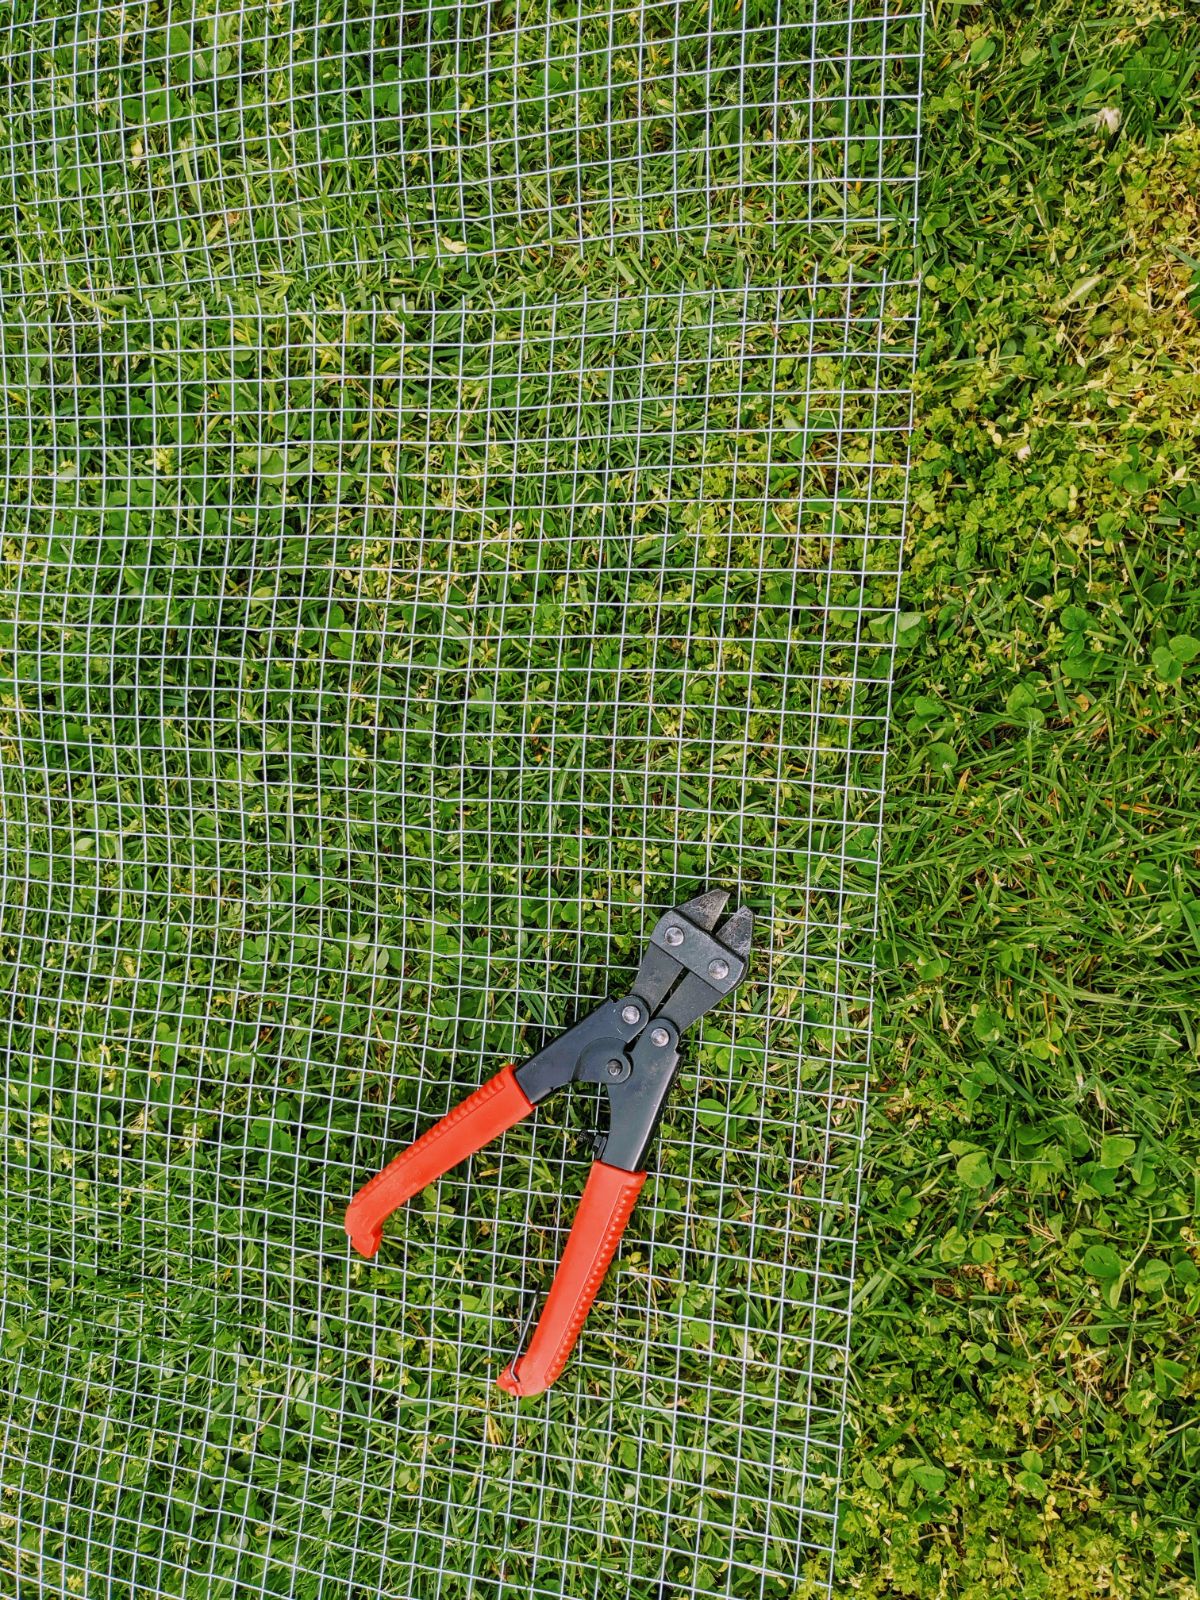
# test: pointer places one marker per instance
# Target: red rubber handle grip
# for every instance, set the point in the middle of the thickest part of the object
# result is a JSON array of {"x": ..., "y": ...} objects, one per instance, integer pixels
[
  {"x": 608, "y": 1200},
  {"x": 482, "y": 1116}
]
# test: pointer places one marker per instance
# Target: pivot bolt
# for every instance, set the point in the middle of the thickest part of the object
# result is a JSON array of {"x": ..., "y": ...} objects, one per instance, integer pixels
[
  {"x": 615, "y": 1068},
  {"x": 718, "y": 969},
  {"x": 630, "y": 1014},
  {"x": 659, "y": 1037},
  {"x": 674, "y": 936}
]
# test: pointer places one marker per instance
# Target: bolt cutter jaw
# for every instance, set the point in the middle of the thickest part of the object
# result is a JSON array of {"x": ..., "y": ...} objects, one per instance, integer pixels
[
  {"x": 686, "y": 970},
  {"x": 628, "y": 1045}
]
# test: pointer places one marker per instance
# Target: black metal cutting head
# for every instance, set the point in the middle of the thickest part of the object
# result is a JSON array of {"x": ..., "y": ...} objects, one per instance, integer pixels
[{"x": 631, "y": 1045}]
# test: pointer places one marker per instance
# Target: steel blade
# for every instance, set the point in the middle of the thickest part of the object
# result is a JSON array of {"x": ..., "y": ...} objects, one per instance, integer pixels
[
  {"x": 736, "y": 933},
  {"x": 705, "y": 909}
]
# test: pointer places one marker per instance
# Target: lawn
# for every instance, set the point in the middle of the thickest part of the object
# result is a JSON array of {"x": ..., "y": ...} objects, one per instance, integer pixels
[
  {"x": 1025, "y": 1368},
  {"x": 388, "y": 631}
]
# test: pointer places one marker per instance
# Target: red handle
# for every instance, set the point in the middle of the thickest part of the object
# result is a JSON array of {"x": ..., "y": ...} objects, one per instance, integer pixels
[
  {"x": 495, "y": 1106},
  {"x": 608, "y": 1200}
]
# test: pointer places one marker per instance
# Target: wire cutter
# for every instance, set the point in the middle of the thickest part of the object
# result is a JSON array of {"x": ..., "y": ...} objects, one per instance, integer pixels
[{"x": 630, "y": 1046}]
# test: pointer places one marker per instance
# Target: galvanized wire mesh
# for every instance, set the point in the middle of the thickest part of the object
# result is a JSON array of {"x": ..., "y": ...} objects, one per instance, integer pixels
[
  {"x": 373, "y": 670},
  {"x": 148, "y": 144}
]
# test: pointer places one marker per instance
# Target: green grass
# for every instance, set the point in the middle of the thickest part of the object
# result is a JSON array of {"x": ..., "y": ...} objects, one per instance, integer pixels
[
  {"x": 234, "y": 526},
  {"x": 1026, "y": 1362}
]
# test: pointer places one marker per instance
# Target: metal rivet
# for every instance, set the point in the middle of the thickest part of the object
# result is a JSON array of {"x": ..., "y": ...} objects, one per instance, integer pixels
[
  {"x": 630, "y": 1014},
  {"x": 718, "y": 969},
  {"x": 660, "y": 1037},
  {"x": 615, "y": 1068},
  {"x": 674, "y": 935}
]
